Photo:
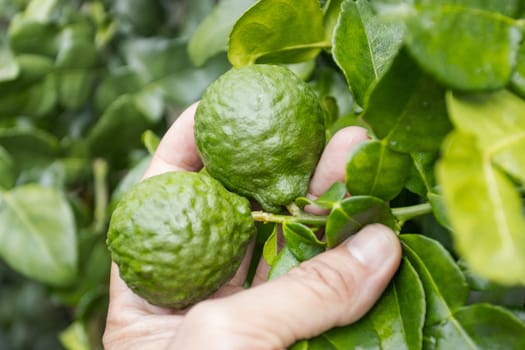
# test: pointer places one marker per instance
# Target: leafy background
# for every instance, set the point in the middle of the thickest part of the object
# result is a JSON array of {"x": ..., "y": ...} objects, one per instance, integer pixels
[{"x": 86, "y": 87}]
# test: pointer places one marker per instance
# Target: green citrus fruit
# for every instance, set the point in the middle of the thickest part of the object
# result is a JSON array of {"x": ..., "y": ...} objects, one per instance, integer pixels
[
  {"x": 177, "y": 237},
  {"x": 260, "y": 131}
]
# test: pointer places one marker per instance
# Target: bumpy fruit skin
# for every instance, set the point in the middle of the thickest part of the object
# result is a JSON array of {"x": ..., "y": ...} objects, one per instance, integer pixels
[
  {"x": 260, "y": 131},
  {"x": 177, "y": 237}
]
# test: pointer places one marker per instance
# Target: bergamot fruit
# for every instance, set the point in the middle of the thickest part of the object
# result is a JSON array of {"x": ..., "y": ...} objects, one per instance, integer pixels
[
  {"x": 260, "y": 131},
  {"x": 177, "y": 237}
]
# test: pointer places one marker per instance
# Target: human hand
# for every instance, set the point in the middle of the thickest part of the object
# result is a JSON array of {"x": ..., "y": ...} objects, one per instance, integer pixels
[{"x": 333, "y": 289}]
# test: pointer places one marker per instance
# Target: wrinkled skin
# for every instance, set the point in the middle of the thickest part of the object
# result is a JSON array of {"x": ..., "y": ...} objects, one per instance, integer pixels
[{"x": 335, "y": 288}]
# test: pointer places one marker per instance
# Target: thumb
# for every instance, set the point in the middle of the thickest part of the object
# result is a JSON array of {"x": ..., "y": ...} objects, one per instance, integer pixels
[{"x": 333, "y": 289}]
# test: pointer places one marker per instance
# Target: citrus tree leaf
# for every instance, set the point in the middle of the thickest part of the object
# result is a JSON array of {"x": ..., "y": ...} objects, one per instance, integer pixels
[
  {"x": 118, "y": 129},
  {"x": 479, "y": 326},
  {"x": 283, "y": 31},
  {"x": 211, "y": 36},
  {"x": 395, "y": 322},
  {"x": 141, "y": 17},
  {"x": 34, "y": 93},
  {"x": 446, "y": 289},
  {"x": 7, "y": 170},
  {"x": 32, "y": 37},
  {"x": 301, "y": 241},
  {"x": 270, "y": 249},
  {"x": 9, "y": 68},
  {"x": 29, "y": 146},
  {"x": 119, "y": 82},
  {"x": 334, "y": 194},
  {"x": 439, "y": 209},
  {"x": 376, "y": 170},
  {"x": 498, "y": 122},
  {"x": 517, "y": 80},
  {"x": 133, "y": 176},
  {"x": 40, "y": 218},
  {"x": 445, "y": 41},
  {"x": 351, "y": 214},
  {"x": 155, "y": 58},
  {"x": 331, "y": 12},
  {"x": 364, "y": 45},
  {"x": 407, "y": 110},
  {"x": 491, "y": 136},
  {"x": 283, "y": 262},
  {"x": 74, "y": 87},
  {"x": 509, "y": 7},
  {"x": 485, "y": 211},
  {"x": 150, "y": 140},
  {"x": 421, "y": 177}
]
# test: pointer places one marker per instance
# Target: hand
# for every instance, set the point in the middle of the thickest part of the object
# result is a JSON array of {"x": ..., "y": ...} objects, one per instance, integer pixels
[{"x": 335, "y": 288}]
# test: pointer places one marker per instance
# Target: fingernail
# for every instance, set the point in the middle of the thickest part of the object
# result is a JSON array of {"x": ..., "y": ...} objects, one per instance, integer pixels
[{"x": 372, "y": 245}]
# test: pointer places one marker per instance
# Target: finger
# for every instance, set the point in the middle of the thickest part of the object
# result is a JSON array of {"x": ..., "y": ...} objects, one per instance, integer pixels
[
  {"x": 177, "y": 149},
  {"x": 332, "y": 164},
  {"x": 333, "y": 289}
]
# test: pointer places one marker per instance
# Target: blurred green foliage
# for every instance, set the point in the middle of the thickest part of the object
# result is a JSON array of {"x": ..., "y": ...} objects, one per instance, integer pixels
[{"x": 80, "y": 83}]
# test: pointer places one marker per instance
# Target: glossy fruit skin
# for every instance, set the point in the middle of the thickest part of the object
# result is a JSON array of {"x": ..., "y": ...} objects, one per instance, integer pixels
[
  {"x": 177, "y": 237},
  {"x": 260, "y": 131}
]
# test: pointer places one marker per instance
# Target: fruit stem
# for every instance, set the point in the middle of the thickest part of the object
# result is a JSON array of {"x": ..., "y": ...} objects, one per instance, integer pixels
[
  {"x": 100, "y": 172},
  {"x": 302, "y": 218},
  {"x": 404, "y": 214}
]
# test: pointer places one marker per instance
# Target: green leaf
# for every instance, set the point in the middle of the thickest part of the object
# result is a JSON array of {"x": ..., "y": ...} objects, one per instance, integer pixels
[
  {"x": 31, "y": 37},
  {"x": 34, "y": 92},
  {"x": 150, "y": 140},
  {"x": 331, "y": 13},
  {"x": 517, "y": 81},
  {"x": 40, "y": 219},
  {"x": 351, "y": 214},
  {"x": 446, "y": 42},
  {"x": 118, "y": 82},
  {"x": 155, "y": 58},
  {"x": 133, "y": 176},
  {"x": 75, "y": 87},
  {"x": 28, "y": 146},
  {"x": 480, "y": 326},
  {"x": 195, "y": 12},
  {"x": 9, "y": 68},
  {"x": 498, "y": 122},
  {"x": 77, "y": 46},
  {"x": 142, "y": 17},
  {"x": 75, "y": 337},
  {"x": 374, "y": 169},
  {"x": 150, "y": 102},
  {"x": 211, "y": 36},
  {"x": 399, "y": 314},
  {"x": 364, "y": 45},
  {"x": 395, "y": 322},
  {"x": 301, "y": 241},
  {"x": 185, "y": 87},
  {"x": 7, "y": 170},
  {"x": 439, "y": 209},
  {"x": 278, "y": 31},
  {"x": 485, "y": 210},
  {"x": 445, "y": 286},
  {"x": 334, "y": 194},
  {"x": 270, "y": 249},
  {"x": 421, "y": 178},
  {"x": 407, "y": 109},
  {"x": 265, "y": 230},
  {"x": 118, "y": 130},
  {"x": 284, "y": 262},
  {"x": 508, "y": 7}
]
